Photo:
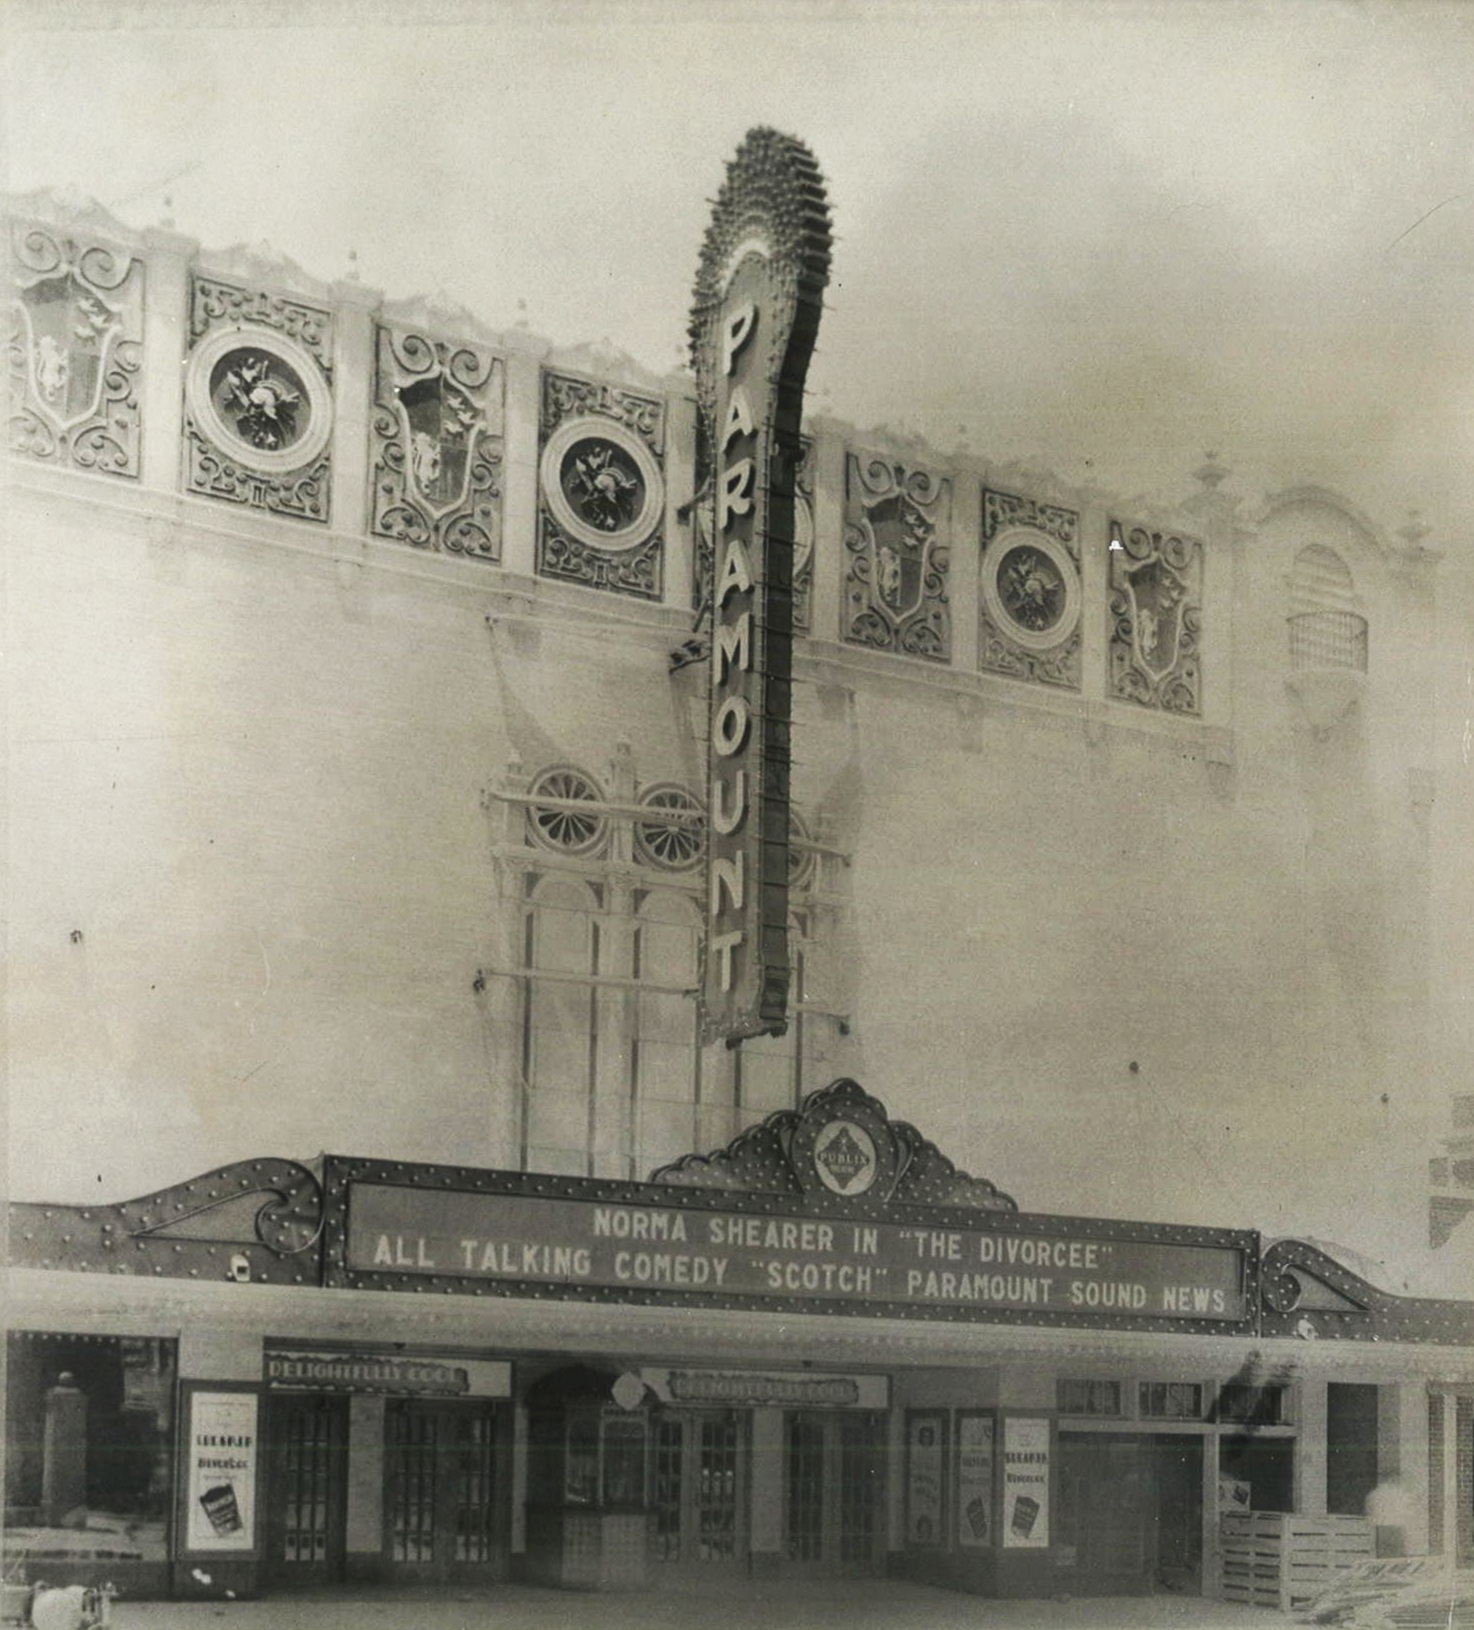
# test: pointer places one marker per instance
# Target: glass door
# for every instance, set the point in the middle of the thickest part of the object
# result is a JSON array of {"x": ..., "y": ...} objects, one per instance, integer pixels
[
  {"x": 834, "y": 1491},
  {"x": 307, "y": 1438},
  {"x": 443, "y": 1515},
  {"x": 699, "y": 1491}
]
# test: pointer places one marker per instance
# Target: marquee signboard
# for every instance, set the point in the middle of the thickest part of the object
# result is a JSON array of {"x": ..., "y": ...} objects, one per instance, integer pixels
[
  {"x": 482, "y": 1240},
  {"x": 759, "y": 291},
  {"x": 830, "y": 1208}
]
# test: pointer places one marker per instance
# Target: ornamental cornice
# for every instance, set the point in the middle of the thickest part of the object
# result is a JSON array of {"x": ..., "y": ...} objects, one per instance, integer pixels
[
  {"x": 72, "y": 211},
  {"x": 260, "y": 264},
  {"x": 603, "y": 360},
  {"x": 446, "y": 318}
]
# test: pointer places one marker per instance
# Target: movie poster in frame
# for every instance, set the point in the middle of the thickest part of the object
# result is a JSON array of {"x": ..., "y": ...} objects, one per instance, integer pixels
[
  {"x": 221, "y": 1451},
  {"x": 1026, "y": 1473},
  {"x": 976, "y": 1438},
  {"x": 926, "y": 1452}
]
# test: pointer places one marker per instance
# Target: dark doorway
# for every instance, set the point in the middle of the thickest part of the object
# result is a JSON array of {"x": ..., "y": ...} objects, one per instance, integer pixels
[
  {"x": 1351, "y": 1447},
  {"x": 833, "y": 1491},
  {"x": 1130, "y": 1513}
]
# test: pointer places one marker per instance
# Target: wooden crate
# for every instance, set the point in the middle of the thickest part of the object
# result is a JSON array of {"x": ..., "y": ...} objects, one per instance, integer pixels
[{"x": 1279, "y": 1559}]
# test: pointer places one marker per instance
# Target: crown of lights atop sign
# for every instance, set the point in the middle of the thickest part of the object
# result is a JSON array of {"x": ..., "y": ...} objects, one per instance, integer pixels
[{"x": 772, "y": 201}]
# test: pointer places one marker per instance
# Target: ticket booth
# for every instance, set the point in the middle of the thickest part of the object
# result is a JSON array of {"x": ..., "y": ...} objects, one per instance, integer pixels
[{"x": 587, "y": 1497}]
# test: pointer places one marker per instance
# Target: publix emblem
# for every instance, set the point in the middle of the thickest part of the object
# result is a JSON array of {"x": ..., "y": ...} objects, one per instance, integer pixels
[{"x": 844, "y": 1157}]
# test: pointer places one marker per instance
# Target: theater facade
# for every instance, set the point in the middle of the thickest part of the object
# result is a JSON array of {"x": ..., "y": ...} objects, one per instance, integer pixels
[
  {"x": 360, "y": 797},
  {"x": 821, "y": 1350}
]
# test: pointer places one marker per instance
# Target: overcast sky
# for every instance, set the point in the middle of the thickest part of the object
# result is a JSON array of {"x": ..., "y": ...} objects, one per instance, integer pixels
[{"x": 1098, "y": 235}]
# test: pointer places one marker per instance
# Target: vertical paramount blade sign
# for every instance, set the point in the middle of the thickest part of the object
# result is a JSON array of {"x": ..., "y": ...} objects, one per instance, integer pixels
[{"x": 759, "y": 293}]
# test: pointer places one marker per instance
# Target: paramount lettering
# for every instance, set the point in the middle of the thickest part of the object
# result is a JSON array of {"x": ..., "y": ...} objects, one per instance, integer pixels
[
  {"x": 1011, "y": 1290},
  {"x": 758, "y": 296}
]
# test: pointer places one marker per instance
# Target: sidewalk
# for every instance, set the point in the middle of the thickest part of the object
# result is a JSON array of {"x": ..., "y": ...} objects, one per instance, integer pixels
[{"x": 827, "y": 1605}]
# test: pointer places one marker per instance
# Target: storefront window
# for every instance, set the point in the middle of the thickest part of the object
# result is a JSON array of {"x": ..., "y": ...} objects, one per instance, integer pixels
[
  {"x": 1088, "y": 1397},
  {"x": 581, "y": 1467},
  {"x": 1171, "y": 1400},
  {"x": 624, "y": 1459},
  {"x": 89, "y": 1432},
  {"x": 1265, "y": 1466}
]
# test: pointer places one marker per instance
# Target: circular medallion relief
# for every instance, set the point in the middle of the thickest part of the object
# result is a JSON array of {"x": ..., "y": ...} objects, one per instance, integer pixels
[
  {"x": 602, "y": 483},
  {"x": 845, "y": 1158},
  {"x": 1031, "y": 587},
  {"x": 260, "y": 397},
  {"x": 560, "y": 823},
  {"x": 676, "y": 840}
]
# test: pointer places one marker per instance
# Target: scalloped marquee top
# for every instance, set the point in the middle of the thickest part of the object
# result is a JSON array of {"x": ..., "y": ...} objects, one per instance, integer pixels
[{"x": 839, "y": 1146}]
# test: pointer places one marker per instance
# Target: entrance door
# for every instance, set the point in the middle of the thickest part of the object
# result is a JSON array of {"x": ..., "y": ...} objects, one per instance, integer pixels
[
  {"x": 442, "y": 1507},
  {"x": 1131, "y": 1512},
  {"x": 833, "y": 1488},
  {"x": 700, "y": 1491},
  {"x": 307, "y": 1441}
]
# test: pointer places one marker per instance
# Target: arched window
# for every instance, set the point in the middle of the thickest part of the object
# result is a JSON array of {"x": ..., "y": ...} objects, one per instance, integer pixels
[
  {"x": 1327, "y": 630},
  {"x": 561, "y": 1022},
  {"x": 595, "y": 988},
  {"x": 665, "y": 1059}
]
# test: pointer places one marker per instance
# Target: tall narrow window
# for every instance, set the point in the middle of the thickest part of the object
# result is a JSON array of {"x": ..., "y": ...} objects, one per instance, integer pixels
[
  {"x": 665, "y": 1061},
  {"x": 1327, "y": 629},
  {"x": 560, "y": 1026}
]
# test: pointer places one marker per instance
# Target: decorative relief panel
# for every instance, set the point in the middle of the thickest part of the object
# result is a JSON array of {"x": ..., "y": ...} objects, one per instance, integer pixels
[
  {"x": 437, "y": 444},
  {"x": 1156, "y": 597},
  {"x": 602, "y": 486},
  {"x": 1029, "y": 621},
  {"x": 896, "y": 567},
  {"x": 74, "y": 351},
  {"x": 258, "y": 400}
]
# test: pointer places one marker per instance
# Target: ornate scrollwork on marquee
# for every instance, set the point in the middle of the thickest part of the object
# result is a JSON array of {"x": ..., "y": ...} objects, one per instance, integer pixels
[
  {"x": 1156, "y": 597},
  {"x": 437, "y": 444},
  {"x": 1306, "y": 1292},
  {"x": 602, "y": 485},
  {"x": 1029, "y": 619},
  {"x": 896, "y": 566},
  {"x": 74, "y": 351},
  {"x": 266, "y": 1214},
  {"x": 838, "y": 1146},
  {"x": 258, "y": 400}
]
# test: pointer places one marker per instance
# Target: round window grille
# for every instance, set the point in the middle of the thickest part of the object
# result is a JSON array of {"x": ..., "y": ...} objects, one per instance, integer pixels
[
  {"x": 676, "y": 844},
  {"x": 801, "y": 861},
  {"x": 557, "y": 826}
]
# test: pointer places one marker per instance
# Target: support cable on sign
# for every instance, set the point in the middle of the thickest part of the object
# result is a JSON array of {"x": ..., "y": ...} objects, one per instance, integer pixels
[{"x": 560, "y": 976}]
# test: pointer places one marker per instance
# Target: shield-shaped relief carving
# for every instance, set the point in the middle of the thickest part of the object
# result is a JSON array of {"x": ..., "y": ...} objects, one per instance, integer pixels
[
  {"x": 896, "y": 564},
  {"x": 1156, "y": 610},
  {"x": 76, "y": 332}
]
